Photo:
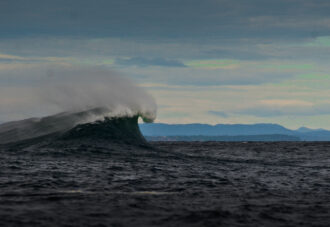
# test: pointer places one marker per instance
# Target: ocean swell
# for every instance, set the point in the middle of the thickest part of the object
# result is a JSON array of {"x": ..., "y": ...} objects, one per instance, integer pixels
[{"x": 69, "y": 123}]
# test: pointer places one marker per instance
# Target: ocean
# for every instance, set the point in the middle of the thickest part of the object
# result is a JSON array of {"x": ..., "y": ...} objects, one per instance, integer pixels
[{"x": 107, "y": 174}]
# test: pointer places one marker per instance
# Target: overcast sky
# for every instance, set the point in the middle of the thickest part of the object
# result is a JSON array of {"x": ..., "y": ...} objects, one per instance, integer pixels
[{"x": 210, "y": 61}]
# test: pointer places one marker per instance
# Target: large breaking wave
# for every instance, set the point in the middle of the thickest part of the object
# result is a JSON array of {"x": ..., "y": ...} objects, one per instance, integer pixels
[
  {"x": 92, "y": 102},
  {"x": 97, "y": 123}
]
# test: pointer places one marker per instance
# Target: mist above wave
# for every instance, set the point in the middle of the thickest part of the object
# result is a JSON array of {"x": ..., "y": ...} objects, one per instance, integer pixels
[
  {"x": 43, "y": 90},
  {"x": 73, "y": 95},
  {"x": 73, "y": 89}
]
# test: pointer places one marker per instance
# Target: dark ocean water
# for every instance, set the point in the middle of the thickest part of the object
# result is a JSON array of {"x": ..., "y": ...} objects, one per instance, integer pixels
[
  {"x": 56, "y": 173},
  {"x": 95, "y": 183}
]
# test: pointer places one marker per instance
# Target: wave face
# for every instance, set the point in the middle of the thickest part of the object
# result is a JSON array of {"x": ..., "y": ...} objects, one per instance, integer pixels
[
  {"x": 95, "y": 124},
  {"x": 117, "y": 129}
]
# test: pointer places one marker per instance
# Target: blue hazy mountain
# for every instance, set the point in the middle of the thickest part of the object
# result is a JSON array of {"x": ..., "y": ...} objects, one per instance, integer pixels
[
  {"x": 259, "y": 138},
  {"x": 158, "y": 129},
  {"x": 227, "y": 131}
]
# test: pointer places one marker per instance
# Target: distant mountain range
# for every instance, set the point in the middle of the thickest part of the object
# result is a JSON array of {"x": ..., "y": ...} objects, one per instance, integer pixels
[{"x": 231, "y": 132}]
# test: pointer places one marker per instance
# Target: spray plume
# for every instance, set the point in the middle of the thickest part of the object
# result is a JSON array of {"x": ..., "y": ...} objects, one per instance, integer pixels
[
  {"x": 76, "y": 89},
  {"x": 79, "y": 95}
]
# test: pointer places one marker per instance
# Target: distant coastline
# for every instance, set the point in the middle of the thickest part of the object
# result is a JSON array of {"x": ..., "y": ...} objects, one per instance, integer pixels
[
  {"x": 255, "y": 138},
  {"x": 230, "y": 132}
]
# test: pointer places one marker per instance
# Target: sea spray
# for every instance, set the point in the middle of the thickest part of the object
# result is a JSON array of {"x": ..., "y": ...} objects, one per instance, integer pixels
[
  {"x": 76, "y": 89},
  {"x": 82, "y": 95},
  {"x": 48, "y": 89}
]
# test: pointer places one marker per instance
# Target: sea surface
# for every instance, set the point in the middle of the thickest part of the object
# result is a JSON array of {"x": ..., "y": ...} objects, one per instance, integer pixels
[{"x": 166, "y": 184}]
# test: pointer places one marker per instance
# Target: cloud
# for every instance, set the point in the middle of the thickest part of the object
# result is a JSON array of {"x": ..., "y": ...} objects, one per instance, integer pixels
[
  {"x": 175, "y": 115},
  {"x": 208, "y": 75},
  {"x": 222, "y": 54},
  {"x": 143, "y": 62},
  {"x": 214, "y": 64},
  {"x": 291, "y": 106},
  {"x": 218, "y": 113},
  {"x": 322, "y": 41},
  {"x": 277, "y": 108},
  {"x": 150, "y": 19},
  {"x": 239, "y": 54},
  {"x": 10, "y": 57},
  {"x": 285, "y": 103}
]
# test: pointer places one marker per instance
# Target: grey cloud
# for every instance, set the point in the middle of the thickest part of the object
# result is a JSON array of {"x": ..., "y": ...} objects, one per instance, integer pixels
[
  {"x": 218, "y": 113},
  {"x": 268, "y": 111},
  {"x": 249, "y": 54},
  {"x": 8, "y": 60},
  {"x": 200, "y": 77},
  {"x": 140, "y": 61},
  {"x": 150, "y": 19}
]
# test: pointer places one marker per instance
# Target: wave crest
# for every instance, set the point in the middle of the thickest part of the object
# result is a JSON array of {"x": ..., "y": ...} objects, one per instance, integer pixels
[{"x": 66, "y": 121}]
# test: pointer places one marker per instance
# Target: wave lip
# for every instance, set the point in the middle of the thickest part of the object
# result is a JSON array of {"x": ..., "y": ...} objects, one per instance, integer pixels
[{"x": 93, "y": 124}]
